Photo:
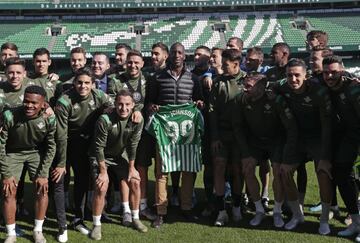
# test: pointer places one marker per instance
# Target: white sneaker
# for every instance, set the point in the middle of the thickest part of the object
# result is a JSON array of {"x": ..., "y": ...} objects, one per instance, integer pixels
[
  {"x": 62, "y": 236},
  {"x": 357, "y": 239},
  {"x": 259, "y": 216},
  {"x": 81, "y": 227},
  {"x": 39, "y": 237},
  {"x": 294, "y": 222},
  {"x": 236, "y": 214},
  {"x": 278, "y": 220},
  {"x": 10, "y": 239},
  {"x": 221, "y": 219},
  {"x": 350, "y": 230},
  {"x": 324, "y": 228}
]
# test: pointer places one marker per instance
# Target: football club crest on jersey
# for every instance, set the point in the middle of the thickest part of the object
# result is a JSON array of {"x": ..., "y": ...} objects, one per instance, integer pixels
[
  {"x": 114, "y": 126},
  {"x": 21, "y": 97},
  {"x": 91, "y": 102},
  {"x": 31, "y": 83},
  {"x": 248, "y": 107},
  {"x": 136, "y": 96},
  {"x": 267, "y": 106},
  {"x": 76, "y": 106},
  {"x": 125, "y": 86},
  {"x": 50, "y": 84},
  {"x": 342, "y": 96},
  {"x": 307, "y": 99},
  {"x": 41, "y": 125}
]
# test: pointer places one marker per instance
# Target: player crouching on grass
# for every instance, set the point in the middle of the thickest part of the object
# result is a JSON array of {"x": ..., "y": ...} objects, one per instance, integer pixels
[
  {"x": 114, "y": 148},
  {"x": 38, "y": 150}
]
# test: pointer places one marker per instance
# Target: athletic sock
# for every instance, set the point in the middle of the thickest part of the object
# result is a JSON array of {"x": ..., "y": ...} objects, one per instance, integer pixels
[
  {"x": 96, "y": 220},
  {"x": 277, "y": 207},
  {"x": 259, "y": 207},
  {"x": 135, "y": 214},
  {"x": 38, "y": 225},
  {"x": 10, "y": 228},
  {"x": 126, "y": 207}
]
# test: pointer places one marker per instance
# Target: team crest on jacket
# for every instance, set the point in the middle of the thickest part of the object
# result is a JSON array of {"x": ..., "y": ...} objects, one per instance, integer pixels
[
  {"x": 41, "y": 125},
  {"x": 136, "y": 96},
  {"x": 76, "y": 106},
  {"x": 307, "y": 99},
  {"x": 21, "y": 97}
]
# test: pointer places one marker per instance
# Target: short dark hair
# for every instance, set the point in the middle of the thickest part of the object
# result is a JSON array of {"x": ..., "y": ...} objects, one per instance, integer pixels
[
  {"x": 162, "y": 46},
  {"x": 282, "y": 45},
  {"x": 257, "y": 50},
  {"x": 332, "y": 59},
  {"x": 134, "y": 53},
  {"x": 78, "y": 50},
  {"x": 231, "y": 54},
  {"x": 217, "y": 49},
  {"x": 9, "y": 45},
  {"x": 41, "y": 51},
  {"x": 14, "y": 61},
  {"x": 34, "y": 89},
  {"x": 296, "y": 62},
  {"x": 124, "y": 92},
  {"x": 239, "y": 42},
  {"x": 99, "y": 53},
  {"x": 177, "y": 44},
  {"x": 84, "y": 71},
  {"x": 123, "y": 46},
  {"x": 202, "y": 47}
]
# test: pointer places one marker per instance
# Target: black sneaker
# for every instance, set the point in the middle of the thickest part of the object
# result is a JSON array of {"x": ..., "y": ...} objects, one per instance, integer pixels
[{"x": 189, "y": 215}]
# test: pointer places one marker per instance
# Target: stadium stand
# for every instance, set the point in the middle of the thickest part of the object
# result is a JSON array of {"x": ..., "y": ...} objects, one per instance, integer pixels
[{"x": 101, "y": 33}]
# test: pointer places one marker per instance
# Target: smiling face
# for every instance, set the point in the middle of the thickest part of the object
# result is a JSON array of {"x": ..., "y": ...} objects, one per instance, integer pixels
[
  {"x": 134, "y": 64},
  {"x": 120, "y": 56},
  {"x": 42, "y": 64},
  {"x": 215, "y": 59},
  {"x": 177, "y": 56},
  {"x": 158, "y": 57},
  {"x": 332, "y": 74},
  {"x": 33, "y": 104},
  {"x": 99, "y": 65},
  {"x": 295, "y": 77},
  {"x": 77, "y": 61},
  {"x": 124, "y": 106},
  {"x": 83, "y": 85},
  {"x": 15, "y": 75}
]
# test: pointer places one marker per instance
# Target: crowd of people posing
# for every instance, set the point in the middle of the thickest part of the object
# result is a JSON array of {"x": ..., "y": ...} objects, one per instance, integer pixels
[{"x": 110, "y": 122}]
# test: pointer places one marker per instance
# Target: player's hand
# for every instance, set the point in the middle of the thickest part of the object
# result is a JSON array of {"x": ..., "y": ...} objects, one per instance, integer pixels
[
  {"x": 215, "y": 146},
  {"x": 136, "y": 117},
  {"x": 102, "y": 180},
  {"x": 325, "y": 166},
  {"x": 53, "y": 77},
  {"x": 57, "y": 173},
  {"x": 152, "y": 108},
  {"x": 207, "y": 82},
  {"x": 42, "y": 186},
  {"x": 9, "y": 186},
  {"x": 133, "y": 174},
  {"x": 48, "y": 111},
  {"x": 200, "y": 104}
]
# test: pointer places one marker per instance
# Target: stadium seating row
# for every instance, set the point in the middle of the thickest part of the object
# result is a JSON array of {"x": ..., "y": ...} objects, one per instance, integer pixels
[{"x": 101, "y": 34}]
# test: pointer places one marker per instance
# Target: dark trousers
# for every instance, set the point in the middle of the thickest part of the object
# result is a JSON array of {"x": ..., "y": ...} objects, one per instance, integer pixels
[
  {"x": 57, "y": 192},
  {"x": 79, "y": 161}
]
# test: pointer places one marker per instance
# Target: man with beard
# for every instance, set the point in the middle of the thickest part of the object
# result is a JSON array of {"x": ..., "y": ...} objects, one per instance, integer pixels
[
  {"x": 345, "y": 97},
  {"x": 121, "y": 51},
  {"x": 260, "y": 141}
]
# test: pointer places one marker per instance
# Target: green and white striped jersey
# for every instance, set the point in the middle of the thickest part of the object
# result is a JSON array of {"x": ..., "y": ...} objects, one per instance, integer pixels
[{"x": 178, "y": 130}]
